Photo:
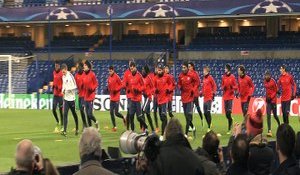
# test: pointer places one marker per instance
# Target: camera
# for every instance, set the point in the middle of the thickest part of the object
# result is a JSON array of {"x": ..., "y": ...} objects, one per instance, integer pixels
[{"x": 131, "y": 142}]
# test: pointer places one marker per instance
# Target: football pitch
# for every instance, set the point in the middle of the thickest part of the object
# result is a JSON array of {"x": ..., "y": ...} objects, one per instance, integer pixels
[{"x": 38, "y": 125}]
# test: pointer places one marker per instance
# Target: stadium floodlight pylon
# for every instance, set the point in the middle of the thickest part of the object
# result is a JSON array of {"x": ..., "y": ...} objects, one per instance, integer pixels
[{"x": 13, "y": 75}]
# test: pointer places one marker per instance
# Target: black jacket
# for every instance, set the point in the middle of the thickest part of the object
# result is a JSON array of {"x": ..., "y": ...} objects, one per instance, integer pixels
[
  {"x": 288, "y": 167},
  {"x": 238, "y": 169},
  {"x": 209, "y": 166},
  {"x": 18, "y": 172},
  {"x": 176, "y": 158},
  {"x": 261, "y": 157}
]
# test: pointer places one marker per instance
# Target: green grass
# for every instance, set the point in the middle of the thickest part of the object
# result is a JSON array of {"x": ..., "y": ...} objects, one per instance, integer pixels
[{"x": 38, "y": 125}]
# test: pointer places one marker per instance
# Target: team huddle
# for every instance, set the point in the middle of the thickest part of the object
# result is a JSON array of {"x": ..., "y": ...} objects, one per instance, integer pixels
[{"x": 158, "y": 87}]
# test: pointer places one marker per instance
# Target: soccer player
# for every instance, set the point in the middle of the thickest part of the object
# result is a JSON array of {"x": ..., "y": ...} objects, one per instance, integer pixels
[
  {"x": 208, "y": 92},
  {"x": 69, "y": 91},
  {"x": 229, "y": 86},
  {"x": 136, "y": 87},
  {"x": 163, "y": 86},
  {"x": 148, "y": 93},
  {"x": 271, "y": 91},
  {"x": 79, "y": 82},
  {"x": 167, "y": 72},
  {"x": 288, "y": 92},
  {"x": 185, "y": 84},
  {"x": 246, "y": 89},
  {"x": 196, "y": 89},
  {"x": 125, "y": 82},
  {"x": 57, "y": 96},
  {"x": 114, "y": 87},
  {"x": 90, "y": 85},
  {"x": 153, "y": 76}
]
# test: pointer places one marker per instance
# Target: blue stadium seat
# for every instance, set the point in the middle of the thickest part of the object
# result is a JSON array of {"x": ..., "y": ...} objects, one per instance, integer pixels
[{"x": 38, "y": 76}]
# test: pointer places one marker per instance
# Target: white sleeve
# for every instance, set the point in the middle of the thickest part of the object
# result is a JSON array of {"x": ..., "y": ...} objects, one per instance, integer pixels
[
  {"x": 72, "y": 81},
  {"x": 63, "y": 84}
]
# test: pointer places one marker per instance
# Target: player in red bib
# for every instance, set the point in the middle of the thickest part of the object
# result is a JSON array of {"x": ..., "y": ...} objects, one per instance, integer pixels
[
  {"x": 114, "y": 87},
  {"x": 153, "y": 76},
  {"x": 229, "y": 86},
  {"x": 79, "y": 82},
  {"x": 271, "y": 98},
  {"x": 208, "y": 92},
  {"x": 90, "y": 84},
  {"x": 196, "y": 89},
  {"x": 163, "y": 86},
  {"x": 288, "y": 92},
  {"x": 125, "y": 82},
  {"x": 136, "y": 88},
  {"x": 148, "y": 93},
  {"x": 171, "y": 94},
  {"x": 57, "y": 96},
  {"x": 246, "y": 89},
  {"x": 185, "y": 84}
]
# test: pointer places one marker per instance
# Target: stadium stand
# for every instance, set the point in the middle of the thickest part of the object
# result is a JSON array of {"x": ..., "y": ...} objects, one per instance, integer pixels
[
  {"x": 245, "y": 41},
  {"x": 16, "y": 44},
  {"x": 159, "y": 42},
  {"x": 256, "y": 68},
  {"x": 75, "y": 43},
  {"x": 139, "y": 42}
]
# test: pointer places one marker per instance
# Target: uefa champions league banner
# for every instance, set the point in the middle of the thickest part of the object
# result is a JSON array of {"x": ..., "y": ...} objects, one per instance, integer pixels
[
  {"x": 149, "y": 10},
  {"x": 101, "y": 103},
  {"x": 26, "y": 101},
  {"x": 260, "y": 103}
]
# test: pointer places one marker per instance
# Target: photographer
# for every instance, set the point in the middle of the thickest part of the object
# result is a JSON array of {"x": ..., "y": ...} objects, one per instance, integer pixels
[{"x": 175, "y": 154}]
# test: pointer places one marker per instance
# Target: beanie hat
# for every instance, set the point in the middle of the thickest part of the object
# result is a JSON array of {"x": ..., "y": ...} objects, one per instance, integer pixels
[{"x": 254, "y": 123}]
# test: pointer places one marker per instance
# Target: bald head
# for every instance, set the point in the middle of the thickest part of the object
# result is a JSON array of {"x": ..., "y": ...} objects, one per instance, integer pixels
[
  {"x": 90, "y": 142},
  {"x": 25, "y": 155}
]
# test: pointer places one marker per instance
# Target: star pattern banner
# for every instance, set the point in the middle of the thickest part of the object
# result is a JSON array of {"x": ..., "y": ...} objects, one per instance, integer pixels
[{"x": 150, "y": 10}]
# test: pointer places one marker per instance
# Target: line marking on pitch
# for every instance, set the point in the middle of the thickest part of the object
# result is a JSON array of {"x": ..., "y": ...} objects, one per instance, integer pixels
[{"x": 58, "y": 140}]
